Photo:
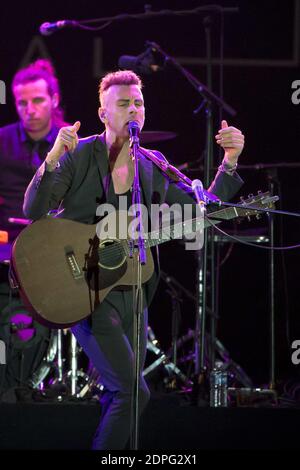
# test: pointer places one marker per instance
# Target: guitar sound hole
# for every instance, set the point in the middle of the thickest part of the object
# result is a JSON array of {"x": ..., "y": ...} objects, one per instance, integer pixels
[{"x": 111, "y": 254}]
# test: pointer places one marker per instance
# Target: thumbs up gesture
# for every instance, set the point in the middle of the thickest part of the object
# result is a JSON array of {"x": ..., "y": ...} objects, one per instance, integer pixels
[
  {"x": 232, "y": 141},
  {"x": 66, "y": 140}
]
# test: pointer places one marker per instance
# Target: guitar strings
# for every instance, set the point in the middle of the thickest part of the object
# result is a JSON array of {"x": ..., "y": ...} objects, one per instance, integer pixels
[{"x": 121, "y": 247}]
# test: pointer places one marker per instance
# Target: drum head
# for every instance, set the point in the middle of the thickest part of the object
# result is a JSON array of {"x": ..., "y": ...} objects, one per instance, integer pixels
[{"x": 26, "y": 344}]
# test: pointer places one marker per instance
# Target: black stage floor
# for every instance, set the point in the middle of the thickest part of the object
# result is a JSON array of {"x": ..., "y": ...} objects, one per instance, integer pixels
[{"x": 166, "y": 425}]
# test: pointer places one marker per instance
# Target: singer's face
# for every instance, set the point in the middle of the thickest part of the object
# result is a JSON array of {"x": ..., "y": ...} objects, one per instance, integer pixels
[
  {"x": 121, "y": 104},
  {"x": 35, "y": 107}
]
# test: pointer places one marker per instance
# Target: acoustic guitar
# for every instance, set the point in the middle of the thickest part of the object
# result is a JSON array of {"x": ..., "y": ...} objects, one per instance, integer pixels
[{"x": 63, "y": 269}]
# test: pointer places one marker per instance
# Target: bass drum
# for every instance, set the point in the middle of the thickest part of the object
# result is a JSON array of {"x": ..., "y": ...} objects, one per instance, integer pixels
[{"x": 30, "y": 347}]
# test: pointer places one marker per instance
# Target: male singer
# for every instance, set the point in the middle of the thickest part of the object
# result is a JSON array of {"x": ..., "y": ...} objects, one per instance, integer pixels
[{"x": 96, "y": 170}]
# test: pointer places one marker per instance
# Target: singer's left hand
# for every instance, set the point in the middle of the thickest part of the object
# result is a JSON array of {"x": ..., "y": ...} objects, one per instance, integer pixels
[{"x": 232, "y": 141}]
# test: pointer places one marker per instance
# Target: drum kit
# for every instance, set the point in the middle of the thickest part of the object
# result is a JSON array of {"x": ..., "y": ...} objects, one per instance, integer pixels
[{"x": 55, "y": 369}]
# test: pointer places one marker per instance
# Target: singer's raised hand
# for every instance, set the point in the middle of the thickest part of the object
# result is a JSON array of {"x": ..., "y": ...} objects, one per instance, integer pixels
[
  {"x": 232, "y": 141},
  {"x": 66, "y": 140}
]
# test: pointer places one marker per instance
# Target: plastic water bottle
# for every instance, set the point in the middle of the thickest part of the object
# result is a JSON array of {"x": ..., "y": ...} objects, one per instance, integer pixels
[{"x": 218, "y": 386}]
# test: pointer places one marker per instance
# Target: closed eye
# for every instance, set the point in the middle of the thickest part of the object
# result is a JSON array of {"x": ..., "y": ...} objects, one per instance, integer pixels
[{"x": 123, "y": 103}]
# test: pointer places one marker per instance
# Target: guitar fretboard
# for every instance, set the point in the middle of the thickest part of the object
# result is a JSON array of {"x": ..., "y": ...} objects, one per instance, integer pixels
[{"x": 181, "y": 229}]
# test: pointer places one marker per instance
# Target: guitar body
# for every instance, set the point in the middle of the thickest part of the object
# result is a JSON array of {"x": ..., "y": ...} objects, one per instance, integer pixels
[{"x": 64, "y": 270}]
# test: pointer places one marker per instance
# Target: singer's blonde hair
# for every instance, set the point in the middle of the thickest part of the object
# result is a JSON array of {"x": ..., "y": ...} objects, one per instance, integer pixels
[{"x": 121, "y": 77}]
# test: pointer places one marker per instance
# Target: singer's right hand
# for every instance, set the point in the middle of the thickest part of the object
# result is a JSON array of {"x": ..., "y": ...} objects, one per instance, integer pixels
[{"x": 66, "y": 140}]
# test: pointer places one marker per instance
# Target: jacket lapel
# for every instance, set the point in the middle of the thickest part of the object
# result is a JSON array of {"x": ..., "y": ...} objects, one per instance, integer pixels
[
  {"x": 101, "y": 159},
  {"x": 145, "y": 170}
]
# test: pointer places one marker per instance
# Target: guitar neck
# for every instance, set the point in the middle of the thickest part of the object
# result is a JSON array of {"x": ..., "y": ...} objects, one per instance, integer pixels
[{"x": 178, "y": 230}]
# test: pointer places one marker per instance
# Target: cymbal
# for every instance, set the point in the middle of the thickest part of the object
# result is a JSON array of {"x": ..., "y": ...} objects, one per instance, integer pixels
[{"x": 147, "y": 137}]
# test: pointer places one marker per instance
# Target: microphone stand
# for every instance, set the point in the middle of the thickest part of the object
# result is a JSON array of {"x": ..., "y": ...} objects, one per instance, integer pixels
[
  {"x": 272, "y": 178},
  {"x": 209, "y": 252},
  {"x": 200, "y": 379},
  {"x": 209, "y": 98},
  {"x": 137, "y": 291},
  {"x": 199, "y": 392},
  {"x": 48, "y": 28}
]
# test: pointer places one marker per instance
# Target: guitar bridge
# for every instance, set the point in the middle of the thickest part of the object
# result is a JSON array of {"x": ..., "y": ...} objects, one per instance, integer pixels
[{"x": 73, "y": 264}]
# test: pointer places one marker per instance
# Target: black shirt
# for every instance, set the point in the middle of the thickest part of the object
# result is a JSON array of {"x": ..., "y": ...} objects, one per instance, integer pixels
[{"x": 20, "y": 157}]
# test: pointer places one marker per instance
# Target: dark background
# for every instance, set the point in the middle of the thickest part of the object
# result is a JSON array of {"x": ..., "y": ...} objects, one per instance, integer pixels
[{"x": 261, "y": 94}]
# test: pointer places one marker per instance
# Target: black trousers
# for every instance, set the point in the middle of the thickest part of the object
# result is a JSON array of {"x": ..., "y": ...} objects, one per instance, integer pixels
[{"x": 107, "y": 341}]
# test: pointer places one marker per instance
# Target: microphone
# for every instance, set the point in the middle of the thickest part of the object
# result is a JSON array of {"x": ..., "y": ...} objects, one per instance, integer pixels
[
  {"x": 197, "y": 187},
  {"x": 134, "y": 134},
  {"x": 46, "y": 29},
  {"x": 143, "y": 63},
  {"x": 133, "y": 129}
]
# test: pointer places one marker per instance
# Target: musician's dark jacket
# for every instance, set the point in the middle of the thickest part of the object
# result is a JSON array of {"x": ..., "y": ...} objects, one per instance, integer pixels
[{"x": 80, "y": 185}]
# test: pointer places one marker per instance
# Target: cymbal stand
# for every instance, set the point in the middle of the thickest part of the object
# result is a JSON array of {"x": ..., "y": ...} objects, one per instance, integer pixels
[
  {"x": 60, "y": 383},
  {"x": 74, "y": 365},
  {"x": 238, "y": 373},
  {"x": 171, "y": 368},
  {"x": 57, "y": 384},
  {"x": 176, "y": 317},
  {"x": 59, "y": 357}
]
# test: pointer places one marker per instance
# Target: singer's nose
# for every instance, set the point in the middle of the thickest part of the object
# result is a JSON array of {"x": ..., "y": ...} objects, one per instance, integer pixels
[
  {"x": 132, "y": 113},
  {"x": 132, "y": 108}
]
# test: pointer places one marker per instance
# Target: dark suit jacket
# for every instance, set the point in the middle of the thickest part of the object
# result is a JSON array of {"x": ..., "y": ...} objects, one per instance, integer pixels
[{"x": 80, "y": 185}]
